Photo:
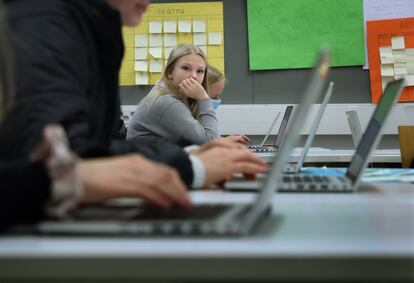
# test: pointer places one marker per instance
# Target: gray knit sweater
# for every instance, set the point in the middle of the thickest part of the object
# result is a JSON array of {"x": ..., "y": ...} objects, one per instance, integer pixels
[{"x": 168, "y": 116}]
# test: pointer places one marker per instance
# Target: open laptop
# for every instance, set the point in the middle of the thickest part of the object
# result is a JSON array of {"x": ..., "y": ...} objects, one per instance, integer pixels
[
  {"x": 296, "y": 167},
  {"x": 354, "y": 126},
  {"x": 368, "y": 142},
  {"x": 280, "y": 135},
  {"x": 272, "y": 126},
  {"x": 207, "y": 219}
]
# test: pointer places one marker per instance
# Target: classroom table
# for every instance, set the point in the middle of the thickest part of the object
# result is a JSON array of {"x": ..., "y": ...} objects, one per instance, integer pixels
[
  {"x": 367, "y": 235},
  {"x": 325, "y": 155}
]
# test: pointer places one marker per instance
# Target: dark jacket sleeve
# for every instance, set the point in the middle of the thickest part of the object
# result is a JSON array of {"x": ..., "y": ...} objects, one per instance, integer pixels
[{"x": 24, "y": 193}]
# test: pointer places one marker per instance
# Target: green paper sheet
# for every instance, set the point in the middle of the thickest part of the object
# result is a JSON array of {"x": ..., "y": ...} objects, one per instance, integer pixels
[{"x": 286, "y": 34}]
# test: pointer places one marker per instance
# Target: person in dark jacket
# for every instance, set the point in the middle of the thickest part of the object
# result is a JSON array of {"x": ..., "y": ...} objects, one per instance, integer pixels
[
  {"x": 68, "y": 55},
  {"x": 52, "y": 180}
]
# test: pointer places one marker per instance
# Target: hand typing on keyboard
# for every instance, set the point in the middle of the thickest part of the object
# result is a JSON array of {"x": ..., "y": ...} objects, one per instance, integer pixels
[{"x": 222, "y": 159}]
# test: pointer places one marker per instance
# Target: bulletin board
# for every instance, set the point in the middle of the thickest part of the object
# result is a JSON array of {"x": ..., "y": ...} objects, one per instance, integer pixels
[
  {"x": 391, "y": 55},
  {"x": 286, "y": 34},
  {"x": 164, "y": 26}
]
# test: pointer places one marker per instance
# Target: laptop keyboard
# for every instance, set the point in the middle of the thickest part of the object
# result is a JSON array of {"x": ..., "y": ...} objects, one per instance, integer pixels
[
  {"x": 147, "y": 212},
  {"x": 205, "y": 219},
  {"x": 197, "y": 212},
  {"x": 309, "y": 183},
  {"x": 258, "y": 148}
]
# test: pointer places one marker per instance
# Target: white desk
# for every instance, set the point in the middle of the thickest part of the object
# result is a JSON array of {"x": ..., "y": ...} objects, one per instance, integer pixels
[
  {"x": 324, "y": 155},
  {"x": 366, "y": 235}
]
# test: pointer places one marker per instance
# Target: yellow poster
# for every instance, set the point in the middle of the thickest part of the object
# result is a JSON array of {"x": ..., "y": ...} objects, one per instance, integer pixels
[{"x": 163, "y": 27}]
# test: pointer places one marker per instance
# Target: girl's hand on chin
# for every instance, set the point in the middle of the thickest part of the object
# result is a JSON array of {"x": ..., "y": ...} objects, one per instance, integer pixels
[{"x": 192, "y": 89}]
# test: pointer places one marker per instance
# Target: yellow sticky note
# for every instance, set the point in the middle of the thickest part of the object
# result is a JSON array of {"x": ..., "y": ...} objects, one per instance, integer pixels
[
  {"x": 170, "y": 39},
  {"x": 170, "y": 26},
  {"x": 141, "y": 78},
  {"x": 156, "y": 66},
  {"x": 410, "y": 68},
  {"x": 199, "y": 26},
  {"x": 386, "y": 55},
  {"x": 400, "y": 69},
  {"x": 184, "y": 26},
  {"x": 399, "y": 56},
  {"x": 141, "y": 53},
  {"x": 199, "y": 38},
  {"x": 141, "y": 40},
  {"x": 387, "y": 70},
  {"x": 155, "y": 40},
  {"x": 141, "y": 65},
  {"x": 155, "y": 27},
  {"x": 156, "y": 52},
  {"x": 214, "y": 38},
  {"x": 397, "y": 42}
]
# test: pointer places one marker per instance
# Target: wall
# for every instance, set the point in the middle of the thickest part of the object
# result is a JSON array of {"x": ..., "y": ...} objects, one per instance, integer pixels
[
  {"x": 265, "y": 87},
  {"x": 246, "y": 88}
]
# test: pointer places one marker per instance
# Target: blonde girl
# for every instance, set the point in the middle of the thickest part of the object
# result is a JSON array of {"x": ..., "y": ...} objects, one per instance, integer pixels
[{"x": 178, "y": 106}]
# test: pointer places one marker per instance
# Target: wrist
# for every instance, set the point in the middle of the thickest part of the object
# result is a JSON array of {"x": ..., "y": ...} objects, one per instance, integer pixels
[
  {"x": 203, "y": 95},
  {"x": 63, "y": 170},
  {"x": 67, "y": 190}
]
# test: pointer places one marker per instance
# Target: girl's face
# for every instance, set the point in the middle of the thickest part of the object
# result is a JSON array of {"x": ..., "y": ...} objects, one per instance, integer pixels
[
  {"x": 131, "y": 10},
  {"x": 188, "y": 66},
  {"x": 215, "y": 90}
]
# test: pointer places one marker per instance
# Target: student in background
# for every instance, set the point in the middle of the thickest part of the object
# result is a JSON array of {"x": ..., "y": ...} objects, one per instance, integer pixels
[
  {"x": 178, "y": 105},
  {"x": 216, "y": 82},
  {"x": 70, "y": 77}
]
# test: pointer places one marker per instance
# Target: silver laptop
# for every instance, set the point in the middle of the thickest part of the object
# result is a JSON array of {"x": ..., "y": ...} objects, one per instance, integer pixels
[
  {"x": 296, "y": 167},
  {"x": 369, "y": 141},
  {"x": 272, "y": 126},
  {"x": 280, "y": 135},
  {"x": 207, "y": 219},
  {"x": 354, "y": 126}
]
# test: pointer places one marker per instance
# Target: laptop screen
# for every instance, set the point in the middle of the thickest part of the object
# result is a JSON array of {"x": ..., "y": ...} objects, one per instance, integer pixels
[
  {"x": 309, "y": 97},
  {"x": 283, "y": 126},
  {"x": 270, "y": 129},
  {"x": 354, "y": 126},
  {"x": 372, "y": 135},
  {"x": 315, "y": 126}
]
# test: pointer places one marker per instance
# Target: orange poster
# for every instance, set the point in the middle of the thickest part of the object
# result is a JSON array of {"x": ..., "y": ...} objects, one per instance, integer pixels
[{"x": 391, "y": 55}]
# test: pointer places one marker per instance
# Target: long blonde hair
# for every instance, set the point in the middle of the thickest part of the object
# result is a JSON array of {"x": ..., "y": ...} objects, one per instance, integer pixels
[{"x": 169, "y": 87}]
